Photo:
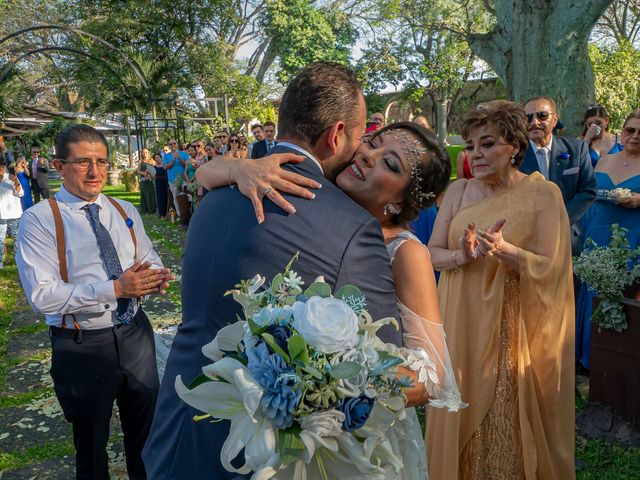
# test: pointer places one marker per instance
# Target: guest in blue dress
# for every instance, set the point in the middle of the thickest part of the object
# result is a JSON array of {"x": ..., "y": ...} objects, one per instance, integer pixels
[
  {"x": 423, "y": 226},
  {"x": 617, "y": 171},
  {"x": 22, "y": 172},
  {"x": 596, "y": 134}
]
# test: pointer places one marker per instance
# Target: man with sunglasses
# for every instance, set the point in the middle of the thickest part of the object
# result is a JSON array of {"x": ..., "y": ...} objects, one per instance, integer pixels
[
  {"x": 563, "y": 161},
  {"x": 224, "y": 141},
  {"x": 39, "y": 175},
  {"x": 85, "y": 262}
]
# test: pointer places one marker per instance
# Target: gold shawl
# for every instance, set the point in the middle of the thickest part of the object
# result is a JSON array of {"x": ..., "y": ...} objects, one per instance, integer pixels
[{"x": 471, "y": 302}]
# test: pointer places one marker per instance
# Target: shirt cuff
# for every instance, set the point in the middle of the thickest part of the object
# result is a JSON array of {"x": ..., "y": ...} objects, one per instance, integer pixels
[{"x": 106, "y": 295}]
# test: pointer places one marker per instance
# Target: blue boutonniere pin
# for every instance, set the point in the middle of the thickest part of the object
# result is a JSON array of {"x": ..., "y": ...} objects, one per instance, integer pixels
[
  {"x": 564, "y": 155},
  {"x": 129, "y": 222}
]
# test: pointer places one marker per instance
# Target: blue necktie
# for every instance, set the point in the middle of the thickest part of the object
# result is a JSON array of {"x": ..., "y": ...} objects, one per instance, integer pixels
[
  {"x": 269, "y": 146},
  {"x": 109, "y": 256}
]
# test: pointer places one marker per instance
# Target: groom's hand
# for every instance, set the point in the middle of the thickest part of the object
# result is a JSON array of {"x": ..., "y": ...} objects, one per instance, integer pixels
[{"x": 416, "y": 395}]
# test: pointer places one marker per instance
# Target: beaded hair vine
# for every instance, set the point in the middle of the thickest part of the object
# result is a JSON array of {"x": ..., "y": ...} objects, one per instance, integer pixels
[{"x": 413, "y": 149}]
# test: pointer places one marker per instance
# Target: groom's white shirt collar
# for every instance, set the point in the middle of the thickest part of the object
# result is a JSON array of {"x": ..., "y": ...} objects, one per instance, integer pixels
[{"x": 302, "y": 151}]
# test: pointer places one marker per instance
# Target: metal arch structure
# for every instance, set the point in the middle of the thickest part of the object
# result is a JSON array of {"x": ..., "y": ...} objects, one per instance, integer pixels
[{"x": 77, "y": 31}]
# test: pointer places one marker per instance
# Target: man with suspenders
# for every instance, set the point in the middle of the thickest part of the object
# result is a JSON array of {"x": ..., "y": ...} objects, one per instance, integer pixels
[{"x": 85, "y": 261}]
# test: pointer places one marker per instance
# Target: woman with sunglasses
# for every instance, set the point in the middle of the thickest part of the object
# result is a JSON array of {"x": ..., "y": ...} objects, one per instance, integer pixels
[
  {"x": 596, "y": 134},
  {"x": 617, "y": 171},
  {"x": 234, "y": 147}
]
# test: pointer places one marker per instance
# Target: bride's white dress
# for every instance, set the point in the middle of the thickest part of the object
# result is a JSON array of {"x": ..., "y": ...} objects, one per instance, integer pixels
[{"x": 426, "y": 340}]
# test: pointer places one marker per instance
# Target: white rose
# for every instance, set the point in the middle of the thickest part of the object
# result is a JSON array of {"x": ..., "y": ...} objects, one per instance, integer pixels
[{"x": 327, "y": 324}]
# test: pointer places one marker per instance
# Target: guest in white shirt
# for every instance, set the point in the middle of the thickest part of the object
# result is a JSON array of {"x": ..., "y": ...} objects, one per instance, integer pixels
[
  {"x": 10, "y": 207},
  {"x": 85, "y": 261}
]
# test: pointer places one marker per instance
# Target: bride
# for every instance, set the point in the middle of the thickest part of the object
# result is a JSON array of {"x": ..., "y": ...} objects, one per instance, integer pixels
[{"x": 395, "y": 172}]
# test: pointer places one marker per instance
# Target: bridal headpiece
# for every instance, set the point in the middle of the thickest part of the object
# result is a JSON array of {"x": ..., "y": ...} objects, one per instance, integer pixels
[{"x": 413, "y": 149}]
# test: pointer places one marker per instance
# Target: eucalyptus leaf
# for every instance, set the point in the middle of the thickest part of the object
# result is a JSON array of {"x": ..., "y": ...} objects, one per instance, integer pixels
[
  {"x": 275, "y": 348},
  {"x": 349, "y": 291},
  {"x": 313, "y": 371},
  {"x": 277, "y": 281},
  {"x": 319, "y": 289},
  {"x": 345, "y": 370},
  {"x": 290, "y": 445}
]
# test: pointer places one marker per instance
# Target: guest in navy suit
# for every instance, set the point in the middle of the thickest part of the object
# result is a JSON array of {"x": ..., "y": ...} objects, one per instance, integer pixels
[
  {"x": 263, "y": 147},
  {"x": 335, "y": 237},
  {"x": 563, "y": 161}
]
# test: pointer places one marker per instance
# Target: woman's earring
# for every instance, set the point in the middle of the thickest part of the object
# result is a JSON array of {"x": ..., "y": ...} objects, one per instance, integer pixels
[
  {"x": 513, "y": 160},
  {"x": 390, "y": 208}
]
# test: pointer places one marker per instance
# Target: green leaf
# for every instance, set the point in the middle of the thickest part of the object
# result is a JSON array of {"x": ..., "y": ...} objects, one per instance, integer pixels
[
  {"x": 256, "y": 329},
  {"x": 290, "y": 446},
  {"x": 199, "y": 380},
  {"x": 385, "y": 362},
  {"x": 345, "y": 370},
  {"x": 349, "y": 291},
  {"x": 276, "y": 282},
  {"x": 319, "y": 289},
  {"x": 275, "y": 348},
  {"x": 298, "y": 349},
  {"x": 313, "y": 371}
]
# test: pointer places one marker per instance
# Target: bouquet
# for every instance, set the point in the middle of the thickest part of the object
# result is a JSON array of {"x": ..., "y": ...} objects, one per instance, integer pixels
[
  {"x": 608, "y": 271},
  {"x": 308, "y": 387}
]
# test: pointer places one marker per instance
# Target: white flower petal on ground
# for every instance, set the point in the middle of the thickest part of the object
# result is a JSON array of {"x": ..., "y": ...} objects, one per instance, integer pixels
[{"x": 226, "y": 340}]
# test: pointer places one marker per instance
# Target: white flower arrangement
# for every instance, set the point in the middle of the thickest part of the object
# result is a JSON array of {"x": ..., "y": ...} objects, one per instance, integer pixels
[
  {"x": 308, "y": 387},
  {"x": 608, "y": 271},
  {"x": 615, "y": 195}
]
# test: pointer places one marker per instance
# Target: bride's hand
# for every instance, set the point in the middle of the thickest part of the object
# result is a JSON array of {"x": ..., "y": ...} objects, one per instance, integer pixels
[
  {"x": 265, "y": 177},
  {"x": 416, "y": 395}
]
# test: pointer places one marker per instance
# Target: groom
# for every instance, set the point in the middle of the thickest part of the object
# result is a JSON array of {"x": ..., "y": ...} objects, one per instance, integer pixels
[{"x": 321, "y": 117}]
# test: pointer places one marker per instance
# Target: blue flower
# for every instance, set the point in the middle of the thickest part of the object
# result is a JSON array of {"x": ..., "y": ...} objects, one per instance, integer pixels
[
  {"x": 280, "y": 334},
  {"x": 129, "y": 222},
  {"x": 356, "y": 412},
  {"x": 279, "y": 399},
  {"x": 564, "y": 155}
]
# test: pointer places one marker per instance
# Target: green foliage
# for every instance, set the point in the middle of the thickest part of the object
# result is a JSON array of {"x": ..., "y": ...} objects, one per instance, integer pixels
[
  {"x": 608, "y": 270},
  {"x": 302, "y": 33},
  {"x": 616, "y": 70}
]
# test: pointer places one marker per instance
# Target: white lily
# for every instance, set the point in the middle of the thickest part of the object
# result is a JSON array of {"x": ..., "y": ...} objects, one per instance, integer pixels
[
  {"x": 237, "y": 401},
  {"x": 226, "y": 340},
  {"x": 320, "y": 429}
]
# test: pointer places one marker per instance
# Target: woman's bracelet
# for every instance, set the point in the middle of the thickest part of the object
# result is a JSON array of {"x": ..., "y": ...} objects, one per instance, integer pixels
[
  {"x": 454, "y": 261},
  {"x": 231, "y": 185}
]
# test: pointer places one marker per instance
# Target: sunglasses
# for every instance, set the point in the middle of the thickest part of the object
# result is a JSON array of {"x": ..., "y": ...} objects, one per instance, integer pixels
[
  {"x": 542, "y": 115},
  {"x": 35, "y": 151},
  {"x": 631, "y": 130},
  {"x": 173, "y": 143},
  {"x": 234, "y": 140}
]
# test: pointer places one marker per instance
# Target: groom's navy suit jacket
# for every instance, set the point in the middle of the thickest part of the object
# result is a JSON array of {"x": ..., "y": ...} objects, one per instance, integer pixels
[
  {"x": 335, "y": 237},
  {"x": 569, "y": 168}
]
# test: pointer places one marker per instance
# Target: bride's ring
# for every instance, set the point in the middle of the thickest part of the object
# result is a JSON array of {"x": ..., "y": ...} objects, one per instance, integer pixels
[{"x": 267, "y": 191}]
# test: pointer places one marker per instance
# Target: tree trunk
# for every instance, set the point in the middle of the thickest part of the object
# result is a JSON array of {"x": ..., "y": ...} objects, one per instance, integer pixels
[
  {"x": 540, "y": 48},
  {"x": 130, "y": 149},
  {"x": 441, "y": 118}
]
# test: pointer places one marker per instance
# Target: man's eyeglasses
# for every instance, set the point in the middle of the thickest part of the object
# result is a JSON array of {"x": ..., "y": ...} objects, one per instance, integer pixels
[
  {"x": 84, "y": 163},
  {"x": 173, "y": 143},
  {"x": 542, "y": 115},
  {"x": 631, "y": 130},
  {"x": 35, "y": 151}
]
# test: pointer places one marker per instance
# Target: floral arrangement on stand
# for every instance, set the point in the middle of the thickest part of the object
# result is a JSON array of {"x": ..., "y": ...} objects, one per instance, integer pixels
[
  {"x": 308, "y": 387},
  {"x": 608, "y": 271}
]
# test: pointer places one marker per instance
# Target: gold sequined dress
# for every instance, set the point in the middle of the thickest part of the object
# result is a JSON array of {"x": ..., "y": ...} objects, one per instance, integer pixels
[{"x": 511, "y": 341}]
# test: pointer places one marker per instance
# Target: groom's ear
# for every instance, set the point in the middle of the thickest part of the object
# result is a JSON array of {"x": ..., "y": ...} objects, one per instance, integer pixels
[{"x": 336, "y": 135}]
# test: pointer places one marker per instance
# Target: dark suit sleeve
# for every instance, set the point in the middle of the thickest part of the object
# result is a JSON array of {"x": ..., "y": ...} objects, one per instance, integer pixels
[
  {"x": 586, "y": 191},
  {"x": 256, "y": 150},
  {"x": 365, "y": 264}
]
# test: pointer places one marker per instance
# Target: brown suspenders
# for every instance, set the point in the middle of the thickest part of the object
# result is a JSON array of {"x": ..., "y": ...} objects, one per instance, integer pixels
[{"x": 62, "y": 247}]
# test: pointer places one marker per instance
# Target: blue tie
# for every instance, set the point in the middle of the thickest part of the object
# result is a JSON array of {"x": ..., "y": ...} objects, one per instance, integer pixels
[
  {"x": 110, "y": 259},
  {"x": 269, "y": 146}
]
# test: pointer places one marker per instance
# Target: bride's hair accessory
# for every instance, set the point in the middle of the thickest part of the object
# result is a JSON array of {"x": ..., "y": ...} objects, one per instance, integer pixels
[
  {"x": 390, "y": 208},
  {"x": 413, "y": 149}
]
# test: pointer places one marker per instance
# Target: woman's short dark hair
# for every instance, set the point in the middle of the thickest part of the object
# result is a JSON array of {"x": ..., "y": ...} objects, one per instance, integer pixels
[
  {"x": 508, "y": 118},
  {"x": 322, "y": 94},
  {"x": 76, "y": 134},
  {"x": 434, "y": 173}
]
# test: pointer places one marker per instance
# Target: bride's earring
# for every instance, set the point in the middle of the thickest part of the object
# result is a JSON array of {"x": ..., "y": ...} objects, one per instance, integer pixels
[{"x": 390, "y": 208}]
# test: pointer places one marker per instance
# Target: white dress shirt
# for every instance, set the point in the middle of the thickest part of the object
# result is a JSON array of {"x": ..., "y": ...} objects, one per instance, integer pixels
[
  {"x": 302, "y": 151},
  {"x": 544, "y": 169},
  {"x": 89, "y": 295},
  {"x": 10, "y": 207}
]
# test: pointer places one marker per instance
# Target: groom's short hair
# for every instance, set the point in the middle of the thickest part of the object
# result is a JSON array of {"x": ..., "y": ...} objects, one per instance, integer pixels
[{"x": 322, "y": 94}]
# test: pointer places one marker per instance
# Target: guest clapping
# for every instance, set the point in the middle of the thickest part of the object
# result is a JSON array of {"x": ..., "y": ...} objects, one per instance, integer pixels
[{"x": 506, "y": 294}]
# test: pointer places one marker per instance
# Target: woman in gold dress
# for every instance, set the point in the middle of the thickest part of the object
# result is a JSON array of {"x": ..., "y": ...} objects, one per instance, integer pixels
[{"x": 506, "y": 294}]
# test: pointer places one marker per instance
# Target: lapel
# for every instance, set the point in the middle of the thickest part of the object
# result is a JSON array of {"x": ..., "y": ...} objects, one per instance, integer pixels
[
  {"x": 557, "y": 164},
  {"x": 530, "y": 162}
]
